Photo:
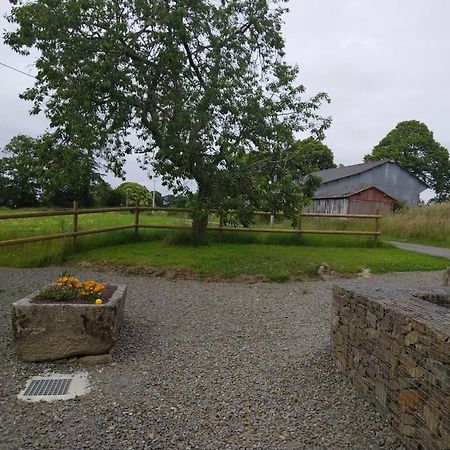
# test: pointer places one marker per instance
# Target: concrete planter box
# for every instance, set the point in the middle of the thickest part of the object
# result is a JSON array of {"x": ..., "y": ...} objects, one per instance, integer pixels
[{"x": 50, "y": 331}]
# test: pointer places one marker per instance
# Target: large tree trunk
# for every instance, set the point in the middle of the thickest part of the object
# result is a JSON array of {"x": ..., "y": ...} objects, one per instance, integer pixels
[
  {"x": 200, "y": 215},
  {"x": 199, "y": 225}
]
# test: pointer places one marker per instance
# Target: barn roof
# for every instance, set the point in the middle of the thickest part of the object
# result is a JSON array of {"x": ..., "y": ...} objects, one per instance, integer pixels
[
  {"x": 328, "y": 175},
  {"x": 348, "y": 192}
]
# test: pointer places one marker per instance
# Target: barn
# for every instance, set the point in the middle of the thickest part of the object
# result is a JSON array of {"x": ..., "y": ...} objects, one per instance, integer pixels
[
  {"x": 365, "y": 188},
  {"x": 356, "y": 200}
]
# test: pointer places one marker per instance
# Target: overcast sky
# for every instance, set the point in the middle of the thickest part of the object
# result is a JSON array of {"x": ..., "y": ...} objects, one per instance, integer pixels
[{"x": 380, "y": 61}]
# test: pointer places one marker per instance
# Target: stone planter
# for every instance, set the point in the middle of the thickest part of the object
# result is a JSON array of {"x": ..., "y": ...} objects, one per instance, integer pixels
[{"x": 50, "y": 331}]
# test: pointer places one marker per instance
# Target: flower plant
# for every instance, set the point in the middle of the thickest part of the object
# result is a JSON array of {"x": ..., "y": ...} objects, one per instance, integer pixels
[{"x": 68, "y": 287}]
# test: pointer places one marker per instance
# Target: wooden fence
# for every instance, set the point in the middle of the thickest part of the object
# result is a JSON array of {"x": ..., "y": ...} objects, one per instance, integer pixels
[{"x": 75, "y": 212}]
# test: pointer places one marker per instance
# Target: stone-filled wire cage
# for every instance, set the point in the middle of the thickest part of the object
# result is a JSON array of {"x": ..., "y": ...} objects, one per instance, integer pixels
[{"x": 394, "y": 344}]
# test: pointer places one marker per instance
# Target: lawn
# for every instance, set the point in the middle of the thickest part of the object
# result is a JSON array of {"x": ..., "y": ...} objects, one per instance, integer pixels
[
  {"x": 274, "y": 256},
  {"x": 275, "y": 262}
]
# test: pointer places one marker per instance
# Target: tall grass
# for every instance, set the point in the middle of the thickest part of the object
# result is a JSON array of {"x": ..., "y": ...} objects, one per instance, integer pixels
[
  {"x": 48, "y": 252},
  {"x": 55, "y": 251},
  {"x": 429, "y": 224}
]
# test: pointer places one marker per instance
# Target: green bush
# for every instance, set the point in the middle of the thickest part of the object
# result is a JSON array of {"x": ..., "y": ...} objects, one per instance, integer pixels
[{"x": 134, "y": 194}]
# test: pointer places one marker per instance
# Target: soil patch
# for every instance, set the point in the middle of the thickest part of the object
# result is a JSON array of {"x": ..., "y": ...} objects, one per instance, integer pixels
[{"x": 176, "y": 273}]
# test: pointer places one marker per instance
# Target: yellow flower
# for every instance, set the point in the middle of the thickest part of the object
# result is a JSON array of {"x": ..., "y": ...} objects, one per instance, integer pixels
[{"x": 99, "y": 301}]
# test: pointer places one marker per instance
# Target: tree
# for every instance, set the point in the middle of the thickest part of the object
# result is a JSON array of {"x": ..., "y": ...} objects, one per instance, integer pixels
[
  {"x": 201, "y": 83},
  {"x": 134, "y": 194},
  {"x": 314, "y": 154},
  {"x": 104, "y": 195},
  {"x": 284, "y": 182},
  {"x": 19, "y": 184},
  {"x": 66, "y": 172},
  {"x": 47, "y": 170},
  {"x": 412, "y": 145},
  {"x": 176, "y": 201},
  {"x": 159, "y": 201}
]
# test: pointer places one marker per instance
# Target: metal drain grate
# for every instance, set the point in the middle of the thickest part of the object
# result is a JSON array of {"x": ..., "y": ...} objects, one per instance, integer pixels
[
  {"x": 55, "y": 386},
  {"x": 48, "y": 386}
]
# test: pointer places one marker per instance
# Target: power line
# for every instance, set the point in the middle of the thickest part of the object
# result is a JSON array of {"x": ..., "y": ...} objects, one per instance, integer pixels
[{"x": 17, "y": 70}]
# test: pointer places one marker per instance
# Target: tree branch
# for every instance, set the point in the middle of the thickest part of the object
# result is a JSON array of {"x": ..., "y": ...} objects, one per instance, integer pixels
[{"x": 193, "y": 65}]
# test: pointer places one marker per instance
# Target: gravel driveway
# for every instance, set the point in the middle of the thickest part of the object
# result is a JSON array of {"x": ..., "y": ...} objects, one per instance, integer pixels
[{"x": 198, "y": 365}]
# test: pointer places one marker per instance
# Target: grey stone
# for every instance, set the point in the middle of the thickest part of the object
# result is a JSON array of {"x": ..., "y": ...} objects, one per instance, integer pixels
[
  {"x": 51, "y": 331},
  {"x": 213, "y": 351},
  {"x": 92, "y": 360}
]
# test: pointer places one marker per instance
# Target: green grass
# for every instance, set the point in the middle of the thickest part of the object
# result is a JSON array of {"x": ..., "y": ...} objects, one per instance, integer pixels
[
  {"x": 276, "y": 262},
  {"x": 17, "y": 228},
  {"x": 55, "y": 251},
  {"x": 275, "y": 256},
  {"x": 50, "y": 252}
]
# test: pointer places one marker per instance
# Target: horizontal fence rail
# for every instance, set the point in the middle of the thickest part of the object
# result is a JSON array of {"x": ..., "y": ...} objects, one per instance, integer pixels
[{"x": 75, "y": 212}]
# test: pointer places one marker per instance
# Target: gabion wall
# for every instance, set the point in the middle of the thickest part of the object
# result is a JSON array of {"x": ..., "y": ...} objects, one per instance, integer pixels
[{"x": 394, "y": 344}]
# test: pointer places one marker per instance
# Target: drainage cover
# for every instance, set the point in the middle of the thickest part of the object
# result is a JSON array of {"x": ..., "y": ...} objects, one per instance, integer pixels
[
  {"x": 55, "y": 387},
  {"x": 49, "y": 386}
]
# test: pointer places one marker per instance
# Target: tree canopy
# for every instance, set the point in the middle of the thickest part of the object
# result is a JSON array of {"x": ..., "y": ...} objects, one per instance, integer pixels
[
  {"x": 19, "y": 185},
  {"x": 135, "y": 194},
  {"x": 46, "y": 170},
  {"x": 314, "y": 154},
  {"x": 412, "y": 145},
  {"x": 200, "y": 84}
]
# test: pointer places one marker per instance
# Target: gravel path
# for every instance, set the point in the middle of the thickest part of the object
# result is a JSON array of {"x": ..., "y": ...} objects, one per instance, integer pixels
[
  {"x": 198, "y": 366},
  {"x": 426, "y": 249}
]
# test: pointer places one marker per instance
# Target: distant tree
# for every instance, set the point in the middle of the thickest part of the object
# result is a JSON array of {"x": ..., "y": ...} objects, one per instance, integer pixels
[
  {"x": 202, "y": 83},
  {"x": 46, "y": 170},
  {"x": 104, "y": 195},
  {"x": 19, "y": 185},
  {"x": 412, "y": 145},
  {"x": 314, "y": 154},
  {"x": 176, "y": 201},
  {"x": 135, "y": 194},
  {"x": 159, "y": 202},
  {"x": 66, "y": 172}
]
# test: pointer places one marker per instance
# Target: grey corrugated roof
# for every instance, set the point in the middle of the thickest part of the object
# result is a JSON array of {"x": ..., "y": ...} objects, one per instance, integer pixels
[
  {"x": 347, "y": 192},
  {"x": 328, "y": 175}
]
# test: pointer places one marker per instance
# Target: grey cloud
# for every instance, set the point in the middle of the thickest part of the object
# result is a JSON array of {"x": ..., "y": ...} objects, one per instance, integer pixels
[{"x": 381, "y": 62}]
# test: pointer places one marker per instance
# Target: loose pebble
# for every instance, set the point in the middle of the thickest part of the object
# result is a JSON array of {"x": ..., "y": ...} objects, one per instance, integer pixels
[{"x": 198, "y": 366}]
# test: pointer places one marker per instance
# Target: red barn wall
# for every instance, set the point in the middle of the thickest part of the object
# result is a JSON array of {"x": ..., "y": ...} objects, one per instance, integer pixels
[{"x": 370, "y": 201}]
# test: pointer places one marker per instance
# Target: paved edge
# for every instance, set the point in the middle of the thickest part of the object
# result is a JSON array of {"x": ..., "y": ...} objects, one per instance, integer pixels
[{"x": 425, "y": 249}]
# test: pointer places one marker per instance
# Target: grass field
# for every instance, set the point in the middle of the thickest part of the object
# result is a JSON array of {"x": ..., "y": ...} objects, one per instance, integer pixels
[
  {"x": 275, "y": 256},
  {"x": 424, "y": 225}
]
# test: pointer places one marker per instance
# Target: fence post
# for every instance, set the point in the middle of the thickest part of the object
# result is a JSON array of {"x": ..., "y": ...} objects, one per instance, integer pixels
[
  {"x": 220, "y": 226},
  {"x": 74, "y": 225},
  {"x": 136, "y": 220},
  {"x": 299, "y": 224},
  {"x": 377, "y": 227}
]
